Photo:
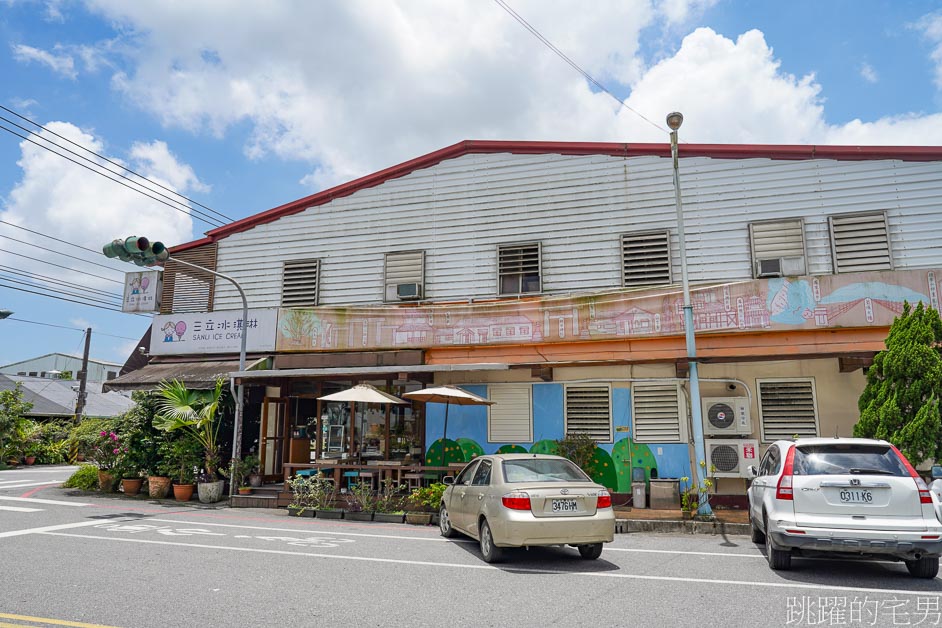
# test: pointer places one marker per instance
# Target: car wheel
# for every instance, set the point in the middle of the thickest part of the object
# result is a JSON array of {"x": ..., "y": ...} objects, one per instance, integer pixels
[
  {"x": 489, "y": 551},
  {"x": 924, "y": 567},
  {"x": 758, "y": 536},
  {"x": 591, "y": 551},
  {"x": 779, "y": 560},
  {"x": 444, "y": 524}
]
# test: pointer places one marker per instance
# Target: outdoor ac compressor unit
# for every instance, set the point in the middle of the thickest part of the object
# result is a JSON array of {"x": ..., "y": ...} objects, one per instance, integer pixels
[
  {"x": 726, "y": 416},
  {"x": 731, "y": 457}
]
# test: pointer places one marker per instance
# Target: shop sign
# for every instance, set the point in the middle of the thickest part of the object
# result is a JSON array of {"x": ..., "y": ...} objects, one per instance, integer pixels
[
  {"x": 213, "y": 332},
  {"x": 141, "y": 291}
]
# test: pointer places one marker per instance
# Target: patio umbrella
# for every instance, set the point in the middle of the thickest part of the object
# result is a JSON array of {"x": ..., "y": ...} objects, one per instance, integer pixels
[
  {"x": 448, "y": 395},
  {"x": 362, "y": 393}
]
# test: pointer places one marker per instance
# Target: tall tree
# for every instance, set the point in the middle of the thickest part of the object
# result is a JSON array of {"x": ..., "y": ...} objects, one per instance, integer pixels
[{"x": 901, "y": 400}]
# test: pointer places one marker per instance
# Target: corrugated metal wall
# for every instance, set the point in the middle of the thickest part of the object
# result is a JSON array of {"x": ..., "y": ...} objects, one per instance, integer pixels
[{"x": 577, "y": 206}]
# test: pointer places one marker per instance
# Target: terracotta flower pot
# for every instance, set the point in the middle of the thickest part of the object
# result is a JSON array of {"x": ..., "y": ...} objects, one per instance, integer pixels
[
  {"x": 132, "y": 486},
  {"x": 245, "y": 490},
  {"x": 105, "y": 481},
  {"x": 183, "y": 492},
  {"x": 158, "y": 486},
  {"x": 30, "y": 460}
]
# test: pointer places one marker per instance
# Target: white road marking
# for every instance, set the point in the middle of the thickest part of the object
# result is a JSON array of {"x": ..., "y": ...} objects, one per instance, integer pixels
[
  {"x": 36, "y": 500},
  {"x": 331, "y": 532},
  {"x": 554, "y": 572},
  {"x": 609, "y": 548},
  {"x": 24, "y": 484},
  {"x": 48, "y": 529},
  {"x": 64, "y": 470},
  {"x": 18, "y": 509}
]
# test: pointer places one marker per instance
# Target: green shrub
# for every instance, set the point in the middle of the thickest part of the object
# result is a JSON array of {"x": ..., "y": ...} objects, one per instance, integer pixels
[{"x": 85, "y": 478}]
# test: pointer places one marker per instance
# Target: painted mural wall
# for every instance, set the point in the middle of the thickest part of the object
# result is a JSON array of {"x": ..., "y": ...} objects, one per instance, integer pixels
[
  {"x": 611, "y": 466},
  {"x": 827, "y": 301}
]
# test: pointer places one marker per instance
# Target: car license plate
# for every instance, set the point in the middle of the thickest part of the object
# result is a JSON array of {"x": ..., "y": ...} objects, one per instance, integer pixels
[
  {"x": 565, "y": 505},
  {"x": 856, "y": 496}
]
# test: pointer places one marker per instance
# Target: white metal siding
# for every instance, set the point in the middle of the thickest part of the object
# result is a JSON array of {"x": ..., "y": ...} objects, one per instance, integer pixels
[
  {"x": 510, "y": 419},
  {"x": 577, "y": 207}
]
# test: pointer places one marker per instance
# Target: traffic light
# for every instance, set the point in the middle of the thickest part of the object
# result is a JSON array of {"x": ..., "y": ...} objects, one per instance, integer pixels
[{"x": 136, "y": 249}]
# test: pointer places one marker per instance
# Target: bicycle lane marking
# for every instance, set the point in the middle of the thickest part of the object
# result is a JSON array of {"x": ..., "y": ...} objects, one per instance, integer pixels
[
  {"x": 304, "y": 539},
  {"x": 48, "y": 529}
]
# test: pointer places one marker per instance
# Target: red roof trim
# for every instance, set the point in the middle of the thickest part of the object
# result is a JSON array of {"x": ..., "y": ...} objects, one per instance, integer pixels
[
  {"x": 191, "y": 245},
  {"x": 718, "y": 151}
]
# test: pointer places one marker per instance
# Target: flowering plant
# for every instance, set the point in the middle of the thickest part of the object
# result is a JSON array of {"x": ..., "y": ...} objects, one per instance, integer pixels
[{"x": 108, "y": 450}]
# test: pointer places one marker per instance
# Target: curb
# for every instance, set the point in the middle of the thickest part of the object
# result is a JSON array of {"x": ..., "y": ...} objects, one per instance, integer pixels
[{"x": 627, "y": 526}]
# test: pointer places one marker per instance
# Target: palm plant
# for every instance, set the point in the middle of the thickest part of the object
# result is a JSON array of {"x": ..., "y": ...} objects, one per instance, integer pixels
[{"x": 193, "y": 411}]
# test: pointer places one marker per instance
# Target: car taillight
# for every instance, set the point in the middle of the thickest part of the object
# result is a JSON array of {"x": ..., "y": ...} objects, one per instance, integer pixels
[
  {"x": 605, "y": 500},
  {"x": 518, "y": 500},
  {"x": 784, "y": 488},
  {"x": 924, "y": 496}
]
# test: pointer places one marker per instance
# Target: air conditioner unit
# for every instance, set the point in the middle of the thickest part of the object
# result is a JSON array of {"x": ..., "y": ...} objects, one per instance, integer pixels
[
  {"x": 726, "y": 416},
  {"x": 769, "y": 267},
  {"x": 731, "y": 457},
  {"x": 409, "y": 291}
]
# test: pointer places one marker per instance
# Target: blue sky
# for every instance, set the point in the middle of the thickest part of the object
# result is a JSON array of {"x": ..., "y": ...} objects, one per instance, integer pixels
[{"x": 244, "y": 106}]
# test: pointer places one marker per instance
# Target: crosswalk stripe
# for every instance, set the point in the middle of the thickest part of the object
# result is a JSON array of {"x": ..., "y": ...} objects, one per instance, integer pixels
[
  {"x": 20, "y": 509},
  {"x": 36, "y": 500}
]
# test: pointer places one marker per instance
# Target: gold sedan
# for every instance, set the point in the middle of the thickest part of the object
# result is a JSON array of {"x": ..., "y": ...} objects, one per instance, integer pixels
[{"x": 521, "y": 500}]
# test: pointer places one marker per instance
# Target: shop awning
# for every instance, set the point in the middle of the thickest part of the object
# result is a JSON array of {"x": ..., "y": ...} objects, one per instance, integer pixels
[
  {"x": 202, "y": 375},
  {"x": 365, "y": 371}
]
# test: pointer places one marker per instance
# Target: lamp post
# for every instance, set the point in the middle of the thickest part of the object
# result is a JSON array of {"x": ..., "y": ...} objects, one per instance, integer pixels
[
  {"x": 143, "y": 252},
  {"x": 674, "y": 120}
]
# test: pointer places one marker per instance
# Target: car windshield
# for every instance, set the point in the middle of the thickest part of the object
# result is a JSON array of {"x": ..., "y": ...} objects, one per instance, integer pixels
[
  {"x": 848, "y": 459},
  {"x": 543, "y": 470}
]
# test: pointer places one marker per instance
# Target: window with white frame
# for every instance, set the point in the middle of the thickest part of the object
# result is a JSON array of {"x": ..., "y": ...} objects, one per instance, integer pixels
[
  {"x": 646, "y": 258},
  {"x": 787, "y": 408},
  {"x": 300, "y": 282},
  {"x": 778, "y": 248},
  {"x": 659, "y": 412},
  {"x": 510, "y": 419},
  {"x": 860, "y": 243},
  {"x": 404, "y": 275},
  {"x": 589, "y": 411},
  {"x": 518, "y": 268}
]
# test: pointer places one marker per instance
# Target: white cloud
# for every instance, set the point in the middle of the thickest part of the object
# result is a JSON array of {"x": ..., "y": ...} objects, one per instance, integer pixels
[
  {"x": 931, "y": 27},
  {"x": 59, "y": 63},
  {"x": 352, "y": 87},
  {"x": 868, "y": 73},
  {"x": 60, "y": 199},
  {"x": 80, "y": 322}
]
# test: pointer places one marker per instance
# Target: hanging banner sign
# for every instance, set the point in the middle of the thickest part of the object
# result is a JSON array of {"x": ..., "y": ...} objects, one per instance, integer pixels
[
  {"x": 142, "y": 291},
  {"x": 213, "y": 332}
]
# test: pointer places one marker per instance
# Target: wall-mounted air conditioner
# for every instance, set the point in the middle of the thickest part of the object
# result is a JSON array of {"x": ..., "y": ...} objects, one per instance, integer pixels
[
  {"x": 731, "y": 457},
  {"x": 726, "y": 416},
  {"x": 409, "y": 291}
]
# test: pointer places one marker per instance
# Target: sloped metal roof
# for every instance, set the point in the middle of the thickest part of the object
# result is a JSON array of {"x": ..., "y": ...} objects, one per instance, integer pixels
[{"x": 55, "y": 397}]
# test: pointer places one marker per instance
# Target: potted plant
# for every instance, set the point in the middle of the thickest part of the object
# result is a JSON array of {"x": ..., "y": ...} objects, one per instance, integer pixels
[
  {"x": 180, "y": 458},
  {"x": 241, "y": 470},
  {"x": 194, "y": 412},
  {"x": 389, "y": 503},
  {"x": 301, "y": 497},
  {"x": 361, "y": 502},
  {"x": 107, "y": 453},
  {"x": 425, "y": 501}
]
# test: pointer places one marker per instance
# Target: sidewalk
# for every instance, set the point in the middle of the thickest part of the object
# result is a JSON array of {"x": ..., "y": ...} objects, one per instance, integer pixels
[{"x": 651, "y": 520}]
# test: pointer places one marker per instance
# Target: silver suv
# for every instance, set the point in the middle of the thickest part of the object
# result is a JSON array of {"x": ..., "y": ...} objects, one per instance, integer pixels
[{"x": 843, "y": 496}]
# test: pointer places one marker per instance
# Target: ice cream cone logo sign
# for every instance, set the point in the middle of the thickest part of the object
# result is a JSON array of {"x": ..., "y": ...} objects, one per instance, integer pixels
[
  {"x": 142, "y": 291},
  {"x": 171, "y": 329}
]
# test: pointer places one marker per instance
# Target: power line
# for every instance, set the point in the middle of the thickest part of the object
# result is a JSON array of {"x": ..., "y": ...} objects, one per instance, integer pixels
[
  {"x": 97, "y": 333},
  {"x": 60, "y": 253},
  {"x": 51, "y": 296},
  {"x": 45, "y": 235},
  {"x": 573, "y": 64},
  {"x": 114, "y": 163},
  {"x": 214, "y": 222},
  {"x": 74, "y": 270},
  {"x": 92, "y": 299},
  {"x": 48, "y": 279}
]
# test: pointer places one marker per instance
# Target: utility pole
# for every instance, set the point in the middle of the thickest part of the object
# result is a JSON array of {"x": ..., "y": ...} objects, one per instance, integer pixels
[{"x": 83, "y": 377}]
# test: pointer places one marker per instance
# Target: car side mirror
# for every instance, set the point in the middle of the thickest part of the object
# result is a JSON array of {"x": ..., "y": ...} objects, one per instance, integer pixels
[
  {"x": 936, "y": 471},
  {"x": 448, "y": 480},
  {"x": 752, "y": 471}
]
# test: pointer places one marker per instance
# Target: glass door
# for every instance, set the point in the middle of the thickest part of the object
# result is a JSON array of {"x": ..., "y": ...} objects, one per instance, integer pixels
[{"x": 274, "y": 428}]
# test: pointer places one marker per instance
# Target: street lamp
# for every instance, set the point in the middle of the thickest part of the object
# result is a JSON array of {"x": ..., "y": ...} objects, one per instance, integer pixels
[
  {"x": 143, "y": 252},
  {"x": 674, "y": 120}
]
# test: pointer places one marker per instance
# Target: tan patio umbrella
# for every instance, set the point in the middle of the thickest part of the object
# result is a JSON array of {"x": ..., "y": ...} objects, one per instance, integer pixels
[
  {"x": 448, "y": 395},
  {"x": 362, "y": 393}
]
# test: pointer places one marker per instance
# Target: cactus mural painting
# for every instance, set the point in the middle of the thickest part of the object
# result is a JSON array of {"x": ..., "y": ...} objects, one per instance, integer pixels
[
  {"x": 512, "y": 449},
  {"x": 602, "y": 469},
  {"x": 545, "y": 447},
  {"x": 470, "y": 449},
  {"x": 436, "y": 457},
  {"x": 627, "y": 455}
]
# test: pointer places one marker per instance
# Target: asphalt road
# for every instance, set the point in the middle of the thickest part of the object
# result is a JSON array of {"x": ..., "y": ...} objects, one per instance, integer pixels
[{"x": 114, "y": 561}]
